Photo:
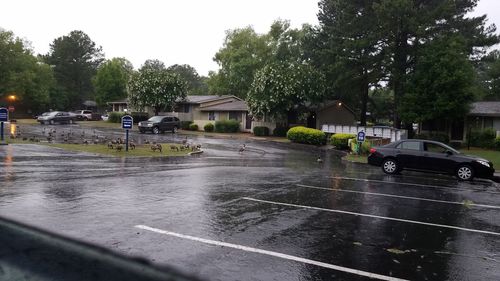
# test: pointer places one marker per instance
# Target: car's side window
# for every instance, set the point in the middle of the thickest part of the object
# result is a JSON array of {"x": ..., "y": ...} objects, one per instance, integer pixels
[
  {"x": 409, "y": 145},
  {"x": 168, "y": 119},
  {"x": 432, "y": 147}
]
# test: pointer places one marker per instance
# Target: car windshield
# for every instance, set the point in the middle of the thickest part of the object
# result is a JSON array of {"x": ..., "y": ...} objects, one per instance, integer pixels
[{"x": 155, "y": 119}]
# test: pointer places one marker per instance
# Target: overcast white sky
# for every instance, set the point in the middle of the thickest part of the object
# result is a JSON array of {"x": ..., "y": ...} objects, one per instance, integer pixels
[{"x": 176, "y": 32}]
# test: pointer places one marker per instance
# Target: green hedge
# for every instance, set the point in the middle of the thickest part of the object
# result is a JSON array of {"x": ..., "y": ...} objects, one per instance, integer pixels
[
  {"x": 280, "y": 131},
  {"x": 341, "y": 141},
  {"x": 209, "y": 127},
  {"x": 261, "y": 131},
  {"x": 364, "y": 149},
  {"x": 440, "y": 137},
  {"x": 306, "y": 135},
  {"x": 139, "y": 116},
  {"x": 185, "y": 124},
  {"x": 193, "y": 127},
  {"x": 227, "y": 126},
  {"x": 116, "y": 117},
  {"x": 484, "y": 139}
]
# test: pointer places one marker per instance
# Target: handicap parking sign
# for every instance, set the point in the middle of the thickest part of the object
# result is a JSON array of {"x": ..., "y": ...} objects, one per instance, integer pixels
[
  {"x": 127, "y": 122},
  {"x": 4, "y": 114},
  {"x": 361, "y": 136}
]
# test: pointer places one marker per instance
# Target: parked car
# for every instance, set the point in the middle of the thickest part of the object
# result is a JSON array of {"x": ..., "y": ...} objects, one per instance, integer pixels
[
  {"x": 56, "y": 117},
  {"x": 86, "y": 115},
  {"x": 105, "y": 117},
  {"x": 157, "y": 124},
  {"x": 429, "y": 156}
]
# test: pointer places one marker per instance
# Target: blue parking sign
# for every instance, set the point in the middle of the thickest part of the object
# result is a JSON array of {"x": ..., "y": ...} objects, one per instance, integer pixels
[
  {"x": 361, "y": 136},
  {"x": 4, "y": 114},
  {"x": 127, "y": 122}
]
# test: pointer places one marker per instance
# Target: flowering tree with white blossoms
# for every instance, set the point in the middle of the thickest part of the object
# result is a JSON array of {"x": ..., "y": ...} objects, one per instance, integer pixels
[
  {"x": 279, "y": 88},
  {"x": 157, "y": 88}
]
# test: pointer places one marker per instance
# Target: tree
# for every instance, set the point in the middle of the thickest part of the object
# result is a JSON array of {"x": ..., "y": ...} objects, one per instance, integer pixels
[
  {"x": 111, "y": 80},
  {"x": 441, "y": 87},
  {"x": 279, "y": 88},
  {"x": 157, "y": 88},
  {"x": 153, "y": 65},
  {"x": 23, "y": 74},
  {"x": 75, "y": 59},
  {"x": 488, "y": 73},
  {"x": 408, "y": 25},
  {"x": 350, "y": 50},
  {"x": 196, "y": 85}
]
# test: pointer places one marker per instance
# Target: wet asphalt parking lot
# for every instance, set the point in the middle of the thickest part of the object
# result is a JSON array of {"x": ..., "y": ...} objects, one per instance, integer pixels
[{"x": 270, "y": 213}]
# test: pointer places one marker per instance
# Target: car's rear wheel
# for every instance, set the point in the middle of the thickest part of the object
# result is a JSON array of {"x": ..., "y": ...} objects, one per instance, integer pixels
[
  {"x": 85, "y": 119},
  {"x": 390, "y": 166},
  {"x": 174, "y": 129},
  {"x": 465, "y": 173},
  {"x": 156, "y": 130}
]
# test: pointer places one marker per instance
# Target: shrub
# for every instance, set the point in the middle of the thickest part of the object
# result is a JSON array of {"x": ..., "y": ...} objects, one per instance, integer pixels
[
  {"x": 261, "y": 131},
  {"x": 185, "y": 124},
  {"x": 484, "y": 139},
  {"x": 227, "y": 126},
  {"x": 193, "y": 127},
  {"x": 497, "y": 143},
  {"x": 364, "y": 149},
  {"x": 440, "y": 137},
  {"x": 139, "y": 116},
  {"x": 341, "y": 141},
  {"x": 306, "y": 135},
  {"x": 116, "y": 117},
  {"x": 280, "y": 131},
  {"x": 209, "y": 127}
]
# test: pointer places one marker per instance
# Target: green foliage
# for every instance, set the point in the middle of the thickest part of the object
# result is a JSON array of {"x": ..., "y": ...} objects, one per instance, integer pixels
[
  {"x": 23, "y": 75},
  {"x": 497, "y": 143},
  {"x": 364, "y": 149},
  {"x": 227, "y": 126},
  {"x": 193, "y": 127},
  {"x": 306, "y": 135},
  {"x": 442, "y": 83},
  {"x": 261, "y": 131},
  {"x": 139, "y": 116},
  {"x": 196, "y": 85},
  {"x": 483, "y": 139},
  {"x": 280, "y": 131},
  {"x": 209, "y": 127},
  {"x": 435, "y": 136},
  {"x": 185, "y": 124},
  {"x": 116, "y": 117},
  {"x": 279, "y": 88},
  {"x": 75, "y": 59},
  {"x": 111, "y": 80},
  {"x": 340, "y": 141},
  {"x": 157, "y": 88}
]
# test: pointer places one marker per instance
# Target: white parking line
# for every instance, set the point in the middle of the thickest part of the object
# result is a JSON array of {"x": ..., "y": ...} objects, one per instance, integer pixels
[
  {"x": 415, "y": 184},
  {"x": 371, "y": 216},
  {"x": 271, "y": 253},
  {"x": 402, "y": 197}
]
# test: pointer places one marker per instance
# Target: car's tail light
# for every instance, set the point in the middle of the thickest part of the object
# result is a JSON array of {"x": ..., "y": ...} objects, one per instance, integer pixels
[{"x": 372, "y": 150}]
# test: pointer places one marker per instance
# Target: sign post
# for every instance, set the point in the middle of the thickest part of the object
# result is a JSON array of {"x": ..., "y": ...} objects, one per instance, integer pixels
[
  {"x": 360, "y": 139},
  {"x": 127, "y": 124},
  {"x": 4, "y": 117}
]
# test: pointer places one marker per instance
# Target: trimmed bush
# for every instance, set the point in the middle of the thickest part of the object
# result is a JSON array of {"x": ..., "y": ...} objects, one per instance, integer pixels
[
  {"x": 484, "y": 139},
  {"x": 227, "y": 126},
  {"x": 440, "y": 137},
  {"x": 341, "y": 141},
  {"x": 139, "y": 116},
  {"x": 185, "y": 124},
  {"x": 261, "y": 131},
  {"x": 364, "y": 149},
  {"x": 280, "y": 131},
  {"x": 116, "y": 117},
  {"x": 209, "y": 127},
  {"x": 497, "y": 143},
  {"x": 193, "y": 127},
  {"x": 306, "y": 135}
]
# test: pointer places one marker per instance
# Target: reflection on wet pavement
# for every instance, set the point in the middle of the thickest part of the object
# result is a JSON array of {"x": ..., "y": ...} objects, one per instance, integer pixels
[{"x": 101, "y": 200}]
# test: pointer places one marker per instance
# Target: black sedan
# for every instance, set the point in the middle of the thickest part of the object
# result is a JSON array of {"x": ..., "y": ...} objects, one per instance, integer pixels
[
  {"x": 157, "y": 124},
  {"x": 56, "y": 117},
  {"x": 429, "y": 156}
]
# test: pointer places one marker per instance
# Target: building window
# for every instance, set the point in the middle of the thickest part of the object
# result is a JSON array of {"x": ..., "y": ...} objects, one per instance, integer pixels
[
  {"x": 186, "y": 108},
  {"x": 211, "y": 115},
  {"x": 234, "y": 115},
  {"x": 488, "y": 122}
]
